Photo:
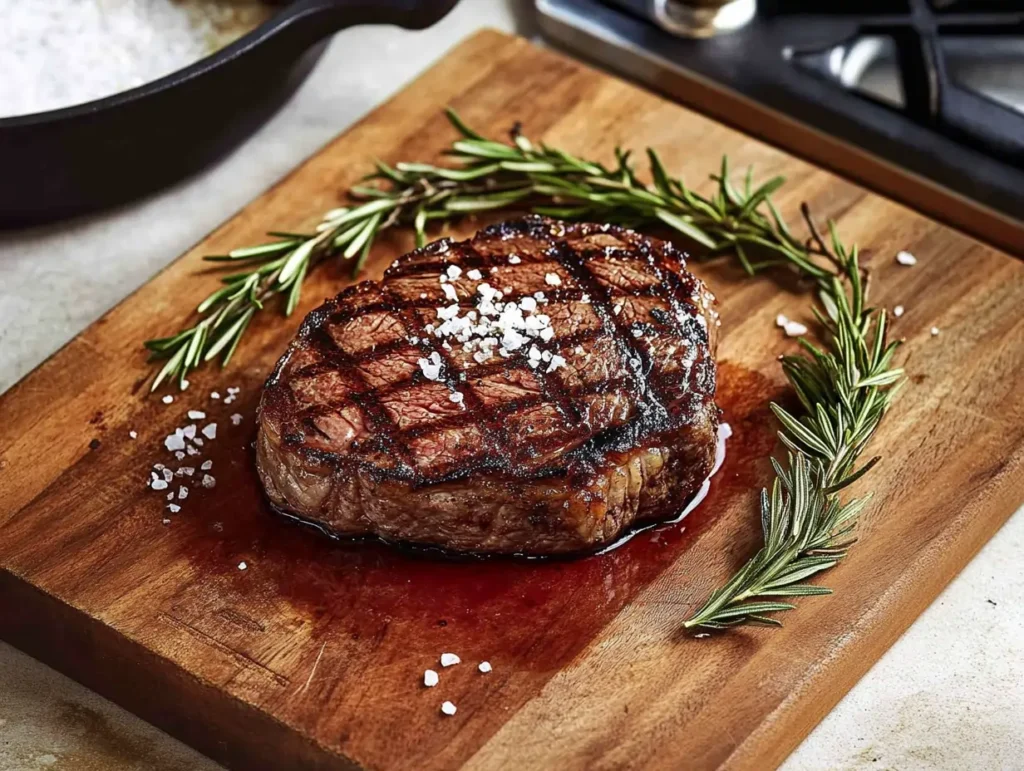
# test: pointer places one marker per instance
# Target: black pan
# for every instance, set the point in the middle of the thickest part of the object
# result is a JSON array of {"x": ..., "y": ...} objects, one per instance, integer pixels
[{"x": 83, "y": 158}]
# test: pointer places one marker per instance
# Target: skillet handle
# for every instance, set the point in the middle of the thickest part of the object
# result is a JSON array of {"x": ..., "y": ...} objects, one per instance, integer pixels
[{"x": 312, "y": 20}]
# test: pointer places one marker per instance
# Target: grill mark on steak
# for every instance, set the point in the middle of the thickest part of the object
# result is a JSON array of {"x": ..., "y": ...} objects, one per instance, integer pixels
[{"x": 349, "y": 401}]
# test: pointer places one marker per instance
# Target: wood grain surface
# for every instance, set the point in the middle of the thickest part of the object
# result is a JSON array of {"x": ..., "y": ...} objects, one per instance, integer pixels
[{"x": 313, "y": 656}]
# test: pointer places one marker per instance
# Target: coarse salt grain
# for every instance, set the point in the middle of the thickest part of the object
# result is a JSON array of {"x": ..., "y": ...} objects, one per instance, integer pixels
[
  {"x": 207, "y": 465},
  {"x": 935, "y": 331},
  {"x": 448, "y": 708},
  {"x": 430, "y": 678},
  {"x": 781, "y": 321},
  {"x": 208, "y": 481},
  {"x": 236, "y": 419},
  {"x": 454, "y": 271},
  {"x": 449, "y": 659},
  {"x": 167, "y": 399},
  {"x": 166, "y": 521},
  {"x": 182, "y": 492},
  {"x": 450, "y": 293},
  {"x": 189, "y": 431},
  {"x": 552, "y": 279},
  {"x": 906, "y": 258},
  {"x": 485, "y": 667},
  {"x": 210, "y": 431},
  {"x": 474, "y": 275},
  {"x": 196, "y": 414},
  {"x": 513, "y": 259},
  {"x": 184, "y": 385},
  {"x": 457, "y": 397},
  {"x": 897, "y": 311},
  {"x": 795, "y": 329},
  {"x": 158, "y": 484},
  {"x": 214, "y": 395},
  {"x": 173, "y": 508},
  {"x": 242, "y": 565}
]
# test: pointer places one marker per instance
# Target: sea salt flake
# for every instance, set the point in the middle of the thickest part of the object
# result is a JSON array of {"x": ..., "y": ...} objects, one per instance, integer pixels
[
  {"x": 450, "y": 293},
  {"x": 236, "y": 419},
  {"x": 448, "y": 708},
  {"x": 449, "y": 659},
  {"x": 454, "y": 271},
  {"x": 906, "y": 258},
  {"x": 158, "y": 484},
  {"x": 795, "y": 329},
  {"x": 173, "y": 508},
  {"x": 242, "y": 565},
  {"x": 457, "y": 397},
  {"x": 186, "y": 471},
  {"x": 514, "y": 259},
  {"x": 214, "y": 395},
  {"x": 208, "y": 481},
  {"x": 182, "y": 492},
  {"x": 168, "y": 474},
  {"x": 485, "y": 666},
  {"x": 935, "y": 331},
  {"x": 207, "y": 465},
  {"x": 898, "y": 311},
  {"x": 189, "y": 431},
  {"x": 170, "y": 495},
  {"x": 198, "y": 441},
  {"x": 192, "y": 450},
  {"x": 167, "y": 399},
  {"x": 196, "y": 414},
  {"x": 210, "y": 431},
  {"x": 179, "y": 455},
  {"x": 133, "y": 434},
  {"x": 552, "y": 279},
  {"x": 430, "y": 678},
  {"x": 474, "y": 275}
]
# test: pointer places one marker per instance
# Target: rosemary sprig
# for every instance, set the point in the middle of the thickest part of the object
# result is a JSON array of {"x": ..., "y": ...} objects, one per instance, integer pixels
[
  {"x": 844, "y": 389},
  {"x": 488, "y": 175}
]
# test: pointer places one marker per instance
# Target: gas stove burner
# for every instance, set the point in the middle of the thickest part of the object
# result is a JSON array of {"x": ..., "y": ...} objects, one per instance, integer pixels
[
  {"x": 702, "y": 18},
  {"x": 929, "y": 89},
  {"x": 927, "y": 50}
]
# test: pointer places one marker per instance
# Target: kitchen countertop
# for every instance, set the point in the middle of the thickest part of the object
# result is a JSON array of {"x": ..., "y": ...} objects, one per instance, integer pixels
[{"x": 948, "y": 695}]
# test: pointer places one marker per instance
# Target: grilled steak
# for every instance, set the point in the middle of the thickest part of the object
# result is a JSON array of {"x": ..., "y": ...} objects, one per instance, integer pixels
[{"x": 536, "y": 389}]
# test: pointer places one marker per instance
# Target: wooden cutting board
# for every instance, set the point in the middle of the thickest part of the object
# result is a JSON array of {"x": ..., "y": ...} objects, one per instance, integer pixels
[{"x": 313, "y": 656}]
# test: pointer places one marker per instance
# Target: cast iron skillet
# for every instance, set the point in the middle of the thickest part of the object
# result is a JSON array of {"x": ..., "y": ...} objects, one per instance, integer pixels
[{"x": 94, "y": 155}]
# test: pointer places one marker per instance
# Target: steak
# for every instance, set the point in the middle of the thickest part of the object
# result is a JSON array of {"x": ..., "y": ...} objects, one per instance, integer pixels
[{"x": 536, "y": 389}]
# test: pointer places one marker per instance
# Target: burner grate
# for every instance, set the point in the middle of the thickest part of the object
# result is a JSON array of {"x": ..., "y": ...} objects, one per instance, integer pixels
[{"x": 925, "y": 38}]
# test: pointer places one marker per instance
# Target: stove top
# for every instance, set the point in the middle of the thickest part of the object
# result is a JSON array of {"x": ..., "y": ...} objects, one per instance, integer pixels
[{"x": 922, "y": 89}]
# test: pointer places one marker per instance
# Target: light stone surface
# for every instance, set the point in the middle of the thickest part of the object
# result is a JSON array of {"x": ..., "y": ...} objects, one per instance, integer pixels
[{"x": 948, "y": 695}]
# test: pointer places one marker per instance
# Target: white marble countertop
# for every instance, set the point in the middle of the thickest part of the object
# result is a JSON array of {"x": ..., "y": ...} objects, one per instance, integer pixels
[{"x": 948, "y": 695}]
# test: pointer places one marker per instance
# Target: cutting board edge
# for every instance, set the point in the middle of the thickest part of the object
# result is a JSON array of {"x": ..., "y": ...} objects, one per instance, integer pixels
[
  {"x": 785, "y": 729},
  {"x": 120, "y": 673}
]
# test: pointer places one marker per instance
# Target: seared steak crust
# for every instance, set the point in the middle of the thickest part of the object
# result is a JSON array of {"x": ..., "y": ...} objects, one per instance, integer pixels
[{"x": 360, "y": 434}]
